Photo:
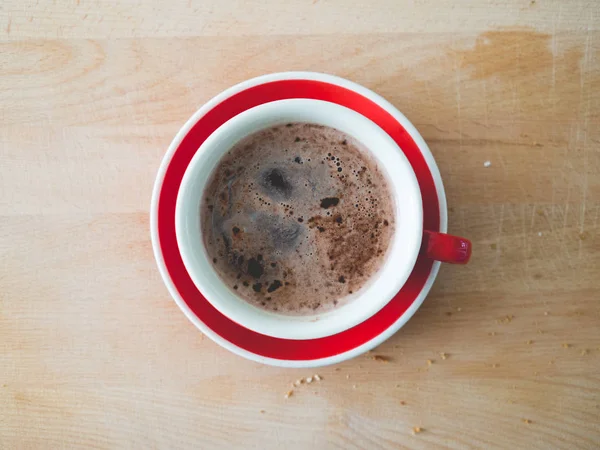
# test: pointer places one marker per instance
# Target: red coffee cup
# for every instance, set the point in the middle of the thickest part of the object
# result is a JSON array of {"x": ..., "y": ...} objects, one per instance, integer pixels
[{"x": 404, "y": 280}]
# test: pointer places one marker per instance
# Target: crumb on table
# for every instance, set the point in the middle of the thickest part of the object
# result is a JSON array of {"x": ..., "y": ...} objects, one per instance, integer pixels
[{"x": 507, "y": 319}]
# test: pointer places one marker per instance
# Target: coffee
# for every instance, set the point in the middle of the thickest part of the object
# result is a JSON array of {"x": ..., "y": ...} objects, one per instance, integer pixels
[{"x": 296, "y": 218}]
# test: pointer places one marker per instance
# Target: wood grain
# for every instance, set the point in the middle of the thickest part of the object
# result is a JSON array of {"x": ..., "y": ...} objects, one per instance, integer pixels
[{"x": 95, "y": 354}]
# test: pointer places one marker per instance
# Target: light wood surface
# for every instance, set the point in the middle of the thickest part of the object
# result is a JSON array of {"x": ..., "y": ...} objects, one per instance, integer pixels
[{"x": 95, "y": 354}]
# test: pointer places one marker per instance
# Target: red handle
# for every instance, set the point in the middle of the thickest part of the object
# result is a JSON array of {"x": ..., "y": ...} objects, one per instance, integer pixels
[{"x": 446, "y": 248}]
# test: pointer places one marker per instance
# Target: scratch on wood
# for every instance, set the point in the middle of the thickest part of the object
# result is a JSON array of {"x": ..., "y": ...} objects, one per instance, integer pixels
[
  {"x": 554, "y": 52},
  {"x": 433, "y": 109},
  {"x": 585, "y": 71},
  {"x": 458, "y": 112},
  {"x": 526, "y": 247},
  {"x": 566, "y": 212},
  {"x": 500, "y": 222},
  {"x": 485, "y": 105}
]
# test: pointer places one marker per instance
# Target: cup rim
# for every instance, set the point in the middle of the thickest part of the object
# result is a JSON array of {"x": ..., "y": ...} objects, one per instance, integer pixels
[
  {"x": 385, "y": 283},
  {"x": 262, "y": 349}
]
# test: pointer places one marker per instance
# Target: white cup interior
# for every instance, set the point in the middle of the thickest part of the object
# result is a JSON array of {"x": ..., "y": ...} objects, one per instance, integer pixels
[{"x": 383, "y": 285}]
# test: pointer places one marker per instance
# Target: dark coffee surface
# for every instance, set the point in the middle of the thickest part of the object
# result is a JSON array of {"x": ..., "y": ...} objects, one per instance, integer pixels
[{"x": 296, "y": 218}]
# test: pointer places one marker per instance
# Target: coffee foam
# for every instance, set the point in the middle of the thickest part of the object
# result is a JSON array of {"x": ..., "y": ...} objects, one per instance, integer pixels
[{"x": 296, "y": 218}]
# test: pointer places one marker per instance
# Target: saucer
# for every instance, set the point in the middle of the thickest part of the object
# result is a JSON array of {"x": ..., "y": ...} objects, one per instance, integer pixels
[{"x": 234, "y": 337}]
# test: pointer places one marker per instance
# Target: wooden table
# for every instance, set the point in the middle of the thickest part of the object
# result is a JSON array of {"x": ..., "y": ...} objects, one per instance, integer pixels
[{"x": 95, "y": 354}]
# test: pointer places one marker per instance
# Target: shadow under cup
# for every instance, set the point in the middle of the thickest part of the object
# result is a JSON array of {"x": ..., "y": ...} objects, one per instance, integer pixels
[{"x": 382, "y": 286}]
